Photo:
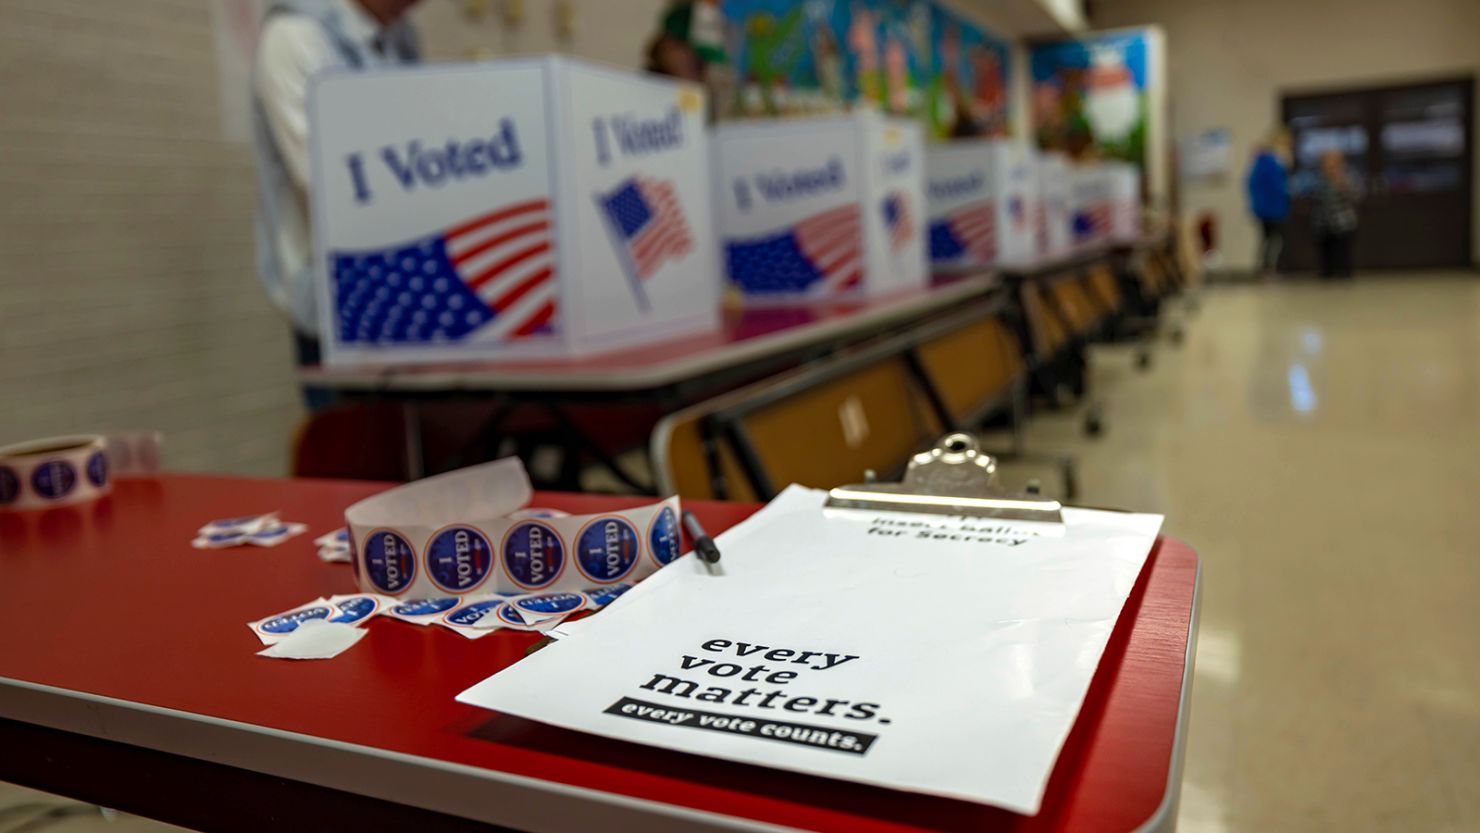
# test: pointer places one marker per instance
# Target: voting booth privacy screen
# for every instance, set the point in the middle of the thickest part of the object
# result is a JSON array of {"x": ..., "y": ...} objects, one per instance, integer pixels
[
  {"x": 1105, "y": 200},
  {"x": 813, "y": 209},
  {"x": 1055, "y": 222},
  {"x": 983, "y": 196},
  {"x": 533, "y": 207}
]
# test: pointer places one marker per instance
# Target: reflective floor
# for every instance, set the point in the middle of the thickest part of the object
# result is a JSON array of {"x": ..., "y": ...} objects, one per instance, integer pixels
[{"x": 1320, "y": 446}]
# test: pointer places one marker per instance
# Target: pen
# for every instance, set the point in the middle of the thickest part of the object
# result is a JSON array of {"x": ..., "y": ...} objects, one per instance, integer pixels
[{"x": 703, "y": 545}]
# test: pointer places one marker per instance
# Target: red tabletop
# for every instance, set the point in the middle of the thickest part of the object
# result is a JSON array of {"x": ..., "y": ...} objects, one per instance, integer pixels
[{"x": 109, "y": 613}]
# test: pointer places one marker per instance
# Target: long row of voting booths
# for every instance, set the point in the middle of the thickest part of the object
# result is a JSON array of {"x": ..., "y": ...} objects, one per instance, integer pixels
[
  {"x": 997, "y": 202},
  {"x": 547, "y": 207}
]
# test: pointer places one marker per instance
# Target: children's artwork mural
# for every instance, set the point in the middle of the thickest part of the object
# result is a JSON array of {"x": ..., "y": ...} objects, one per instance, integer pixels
[
  {"x": 969, "y": 94},
  {"x": 1092, "y": 96},
  {"x": 907, "y": 57}
]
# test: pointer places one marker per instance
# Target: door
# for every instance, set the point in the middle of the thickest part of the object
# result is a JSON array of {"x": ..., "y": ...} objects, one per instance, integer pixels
[{"x": 1407, "y": 149}]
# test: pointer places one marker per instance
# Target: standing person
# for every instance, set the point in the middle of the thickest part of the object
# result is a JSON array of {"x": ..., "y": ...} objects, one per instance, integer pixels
[
  {"x": 1269, "y": 198},
  {"x": 301, "y": 38},
  {"x": 1335, "y": 216}
]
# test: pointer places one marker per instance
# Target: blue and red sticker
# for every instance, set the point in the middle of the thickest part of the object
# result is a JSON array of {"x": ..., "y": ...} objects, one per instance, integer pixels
[
  {"x": 426, "y": 607},
  {"x": 354, "y": 609},
  {"x": 510, "y": 616},
  {"x": 664, "y": 540},
  {"x": 534, "y": 554},
  {"x": 602, "y": 596},
  {"x": 607, "y": 548},
  {"x": 97, "y": 469},
  {"x": 390, "y": 562},
  {"x": 289, "y": 622},
  {"x": 470, "y": 615},
  {"x": 459, "y": 559},
  {"x": 54, "y": 479},
  {"x": 551, "y": 604},
  {"x": 10, "y": 486}
]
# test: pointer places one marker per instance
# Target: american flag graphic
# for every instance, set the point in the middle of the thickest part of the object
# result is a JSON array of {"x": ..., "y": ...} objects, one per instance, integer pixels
[
  {"x": 496, "y": 270},
  {"x": 820, "y": 255},
  {"x": 1016, "y": 213},
  {"x": 967, "y": 233},
  {"x": 897, "y": 220},
  {"x": 1092, "y": 222},
  {"x": 648, "y": 228}
]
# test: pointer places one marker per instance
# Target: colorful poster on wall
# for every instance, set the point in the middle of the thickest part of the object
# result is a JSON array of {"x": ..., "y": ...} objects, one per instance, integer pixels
[
  {"x": 969, "y": 92},
  {"x": 1093, "y": 97},
  {"x": 907, "y": 57}
]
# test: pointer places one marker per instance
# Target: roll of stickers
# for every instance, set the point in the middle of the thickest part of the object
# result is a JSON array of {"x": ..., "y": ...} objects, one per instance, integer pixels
[
  {"x": 466, "y": 532},
  {"x": 56, "y": 471}
]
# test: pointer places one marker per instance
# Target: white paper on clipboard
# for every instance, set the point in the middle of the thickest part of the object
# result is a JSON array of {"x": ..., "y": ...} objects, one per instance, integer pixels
[{"x": 939, "y": 655}]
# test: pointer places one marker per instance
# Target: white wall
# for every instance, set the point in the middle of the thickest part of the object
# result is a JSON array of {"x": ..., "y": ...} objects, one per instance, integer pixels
[
  {"x": 1229, "y": 62},
  {"x": 612, "y": 31},
  {"x": 128, "y": 293}
]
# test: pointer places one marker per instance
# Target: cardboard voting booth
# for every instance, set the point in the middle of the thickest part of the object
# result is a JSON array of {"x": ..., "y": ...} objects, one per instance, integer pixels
[
  {"x": 982, "y": 195},
  {"x": 1090, "y": 198},
  {"x": 820, "y": 208},
  {"x": 1055, "y": 226},
  {"x": 528, "y": 207}
]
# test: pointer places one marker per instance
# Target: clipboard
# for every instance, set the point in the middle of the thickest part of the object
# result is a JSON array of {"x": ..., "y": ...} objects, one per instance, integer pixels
[{"x": 954, "y": 478}]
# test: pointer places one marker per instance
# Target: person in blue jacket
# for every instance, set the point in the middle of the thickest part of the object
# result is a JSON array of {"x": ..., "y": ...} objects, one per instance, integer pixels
[{"x": 1269, "y": 197}]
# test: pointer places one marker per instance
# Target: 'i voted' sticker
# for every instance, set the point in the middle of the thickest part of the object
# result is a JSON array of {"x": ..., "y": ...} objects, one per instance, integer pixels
[
  {"x": 534, "y": 554},
  {"x": 473, "y": 619},
  {"x": 285, "y": 623},
  {"x": 244, "y": 525},
  {"x": 603, "y": 596},
  {"x": 218, "y": 540},
  {"x": 509, "y": 616},
  {"x": 10, "y": 486},
  {"x": 551, "y": 604},
  {"x": 459, "y": 559},
  {"x": 425, "y": 607},
  {"x": 354, "y": 609},
  {"x": 390, "y": 563},
  {"x": 289, "y": 622},
  {"x": 54, "y": 479},
  {"x": 468, "y": 615},
  {"x": 606, "y": 549},
  {"x": 663, "y": 536},
  {"x": 97, "y": 469}
]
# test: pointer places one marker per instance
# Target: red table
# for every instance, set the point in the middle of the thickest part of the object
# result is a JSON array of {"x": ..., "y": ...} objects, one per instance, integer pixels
[{"x": 128, "y": 678}]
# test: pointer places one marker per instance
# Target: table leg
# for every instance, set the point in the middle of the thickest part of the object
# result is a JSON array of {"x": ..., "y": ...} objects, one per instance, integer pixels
[{"x": 411, "y": 430}]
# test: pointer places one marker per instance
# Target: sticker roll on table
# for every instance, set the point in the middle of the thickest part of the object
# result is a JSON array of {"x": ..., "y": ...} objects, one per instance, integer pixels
[
  {"x": 56, "y": 471},
  {"x": 461, "y": 533}
]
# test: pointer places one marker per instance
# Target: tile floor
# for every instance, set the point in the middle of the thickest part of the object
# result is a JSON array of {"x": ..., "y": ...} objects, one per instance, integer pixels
[{"x": 1320, "y": 446}]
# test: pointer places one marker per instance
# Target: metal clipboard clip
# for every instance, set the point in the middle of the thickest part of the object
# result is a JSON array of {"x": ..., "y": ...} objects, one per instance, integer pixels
[{"x": 953, "y": 478}]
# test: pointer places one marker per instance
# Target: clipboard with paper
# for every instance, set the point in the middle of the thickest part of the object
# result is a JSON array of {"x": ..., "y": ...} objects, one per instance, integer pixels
[{"x": 935, "y": 636}]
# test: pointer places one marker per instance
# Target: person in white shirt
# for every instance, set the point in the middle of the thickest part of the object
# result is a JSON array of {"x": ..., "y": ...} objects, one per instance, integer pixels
[{"x": 300, "y": 39}]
